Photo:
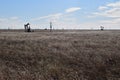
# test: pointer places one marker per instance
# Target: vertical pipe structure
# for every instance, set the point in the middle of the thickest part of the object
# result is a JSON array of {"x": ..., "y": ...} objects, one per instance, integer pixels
[
  {"x": 50, "y": 26},
  {"x": 25, "y": 27}
]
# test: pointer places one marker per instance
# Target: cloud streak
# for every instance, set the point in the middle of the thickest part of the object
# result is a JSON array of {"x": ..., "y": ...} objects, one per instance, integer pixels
[
  {"x": 11, "y": 22},
  {"x": 111, "y": 10},
  {"x": 57, "y": 15},
  {"x": 59, "y": 19},
  {"x": 103, "y": 8},
  {"x": 73, "y": 9},
  {"x": 110, "y": 14}
]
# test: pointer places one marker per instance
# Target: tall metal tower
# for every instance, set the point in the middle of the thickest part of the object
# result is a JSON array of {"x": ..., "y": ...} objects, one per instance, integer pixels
[{"x": 50, "y": 26}]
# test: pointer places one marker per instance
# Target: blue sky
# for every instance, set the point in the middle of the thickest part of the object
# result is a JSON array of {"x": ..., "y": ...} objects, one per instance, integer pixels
[{"x": 67, "y": 14}]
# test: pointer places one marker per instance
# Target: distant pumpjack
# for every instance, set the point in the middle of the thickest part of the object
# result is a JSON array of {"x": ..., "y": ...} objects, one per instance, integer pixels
[
  {"x": 27, "y": 27},
  {"x": 50, "y": 26},
  {"x": 102, "y": 28}
]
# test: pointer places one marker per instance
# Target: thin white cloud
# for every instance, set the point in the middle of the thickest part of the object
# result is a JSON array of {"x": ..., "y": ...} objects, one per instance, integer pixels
[
  {"x": 12, "y": 23},
  {"x": 59, "y": 20},
  {"x": 14, "y": 18},
  {"x": 73, "y": 9},
  {"x": 2, "y": 19},
  {"x": 108, "y": 15},
  {"x": 115, "y": 4},
  {"x": 111, "y": 10},
  {"x": 57, "y": 15},
  {"x": 53, "y": 17},
  {"x": 103, "y": 8},
  {"x": 43, "y": 22}
]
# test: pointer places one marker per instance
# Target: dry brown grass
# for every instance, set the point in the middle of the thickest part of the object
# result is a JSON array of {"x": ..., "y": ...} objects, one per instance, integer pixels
[{"x": 71, "y": 55}]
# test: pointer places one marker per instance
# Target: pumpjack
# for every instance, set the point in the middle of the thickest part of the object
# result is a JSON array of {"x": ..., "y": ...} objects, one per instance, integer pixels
[
  {"x": 102, "y": 28},
  {"x": 27, "y": 27}
]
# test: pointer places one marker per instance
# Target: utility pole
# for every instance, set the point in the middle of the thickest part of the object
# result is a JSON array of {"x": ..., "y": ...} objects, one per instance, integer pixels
[{"x": 50, "y": 26}]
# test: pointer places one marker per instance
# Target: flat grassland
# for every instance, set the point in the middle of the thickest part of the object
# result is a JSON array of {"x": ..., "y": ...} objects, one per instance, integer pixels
[{"x": 60, "y": 55}]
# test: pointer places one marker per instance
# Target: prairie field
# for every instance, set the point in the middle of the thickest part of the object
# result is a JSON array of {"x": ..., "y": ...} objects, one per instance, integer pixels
[{"x": 60, "y": 55}]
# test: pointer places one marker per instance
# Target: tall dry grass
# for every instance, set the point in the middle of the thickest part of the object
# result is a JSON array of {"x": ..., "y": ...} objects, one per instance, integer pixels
[{"x": 71, "y": 55}]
